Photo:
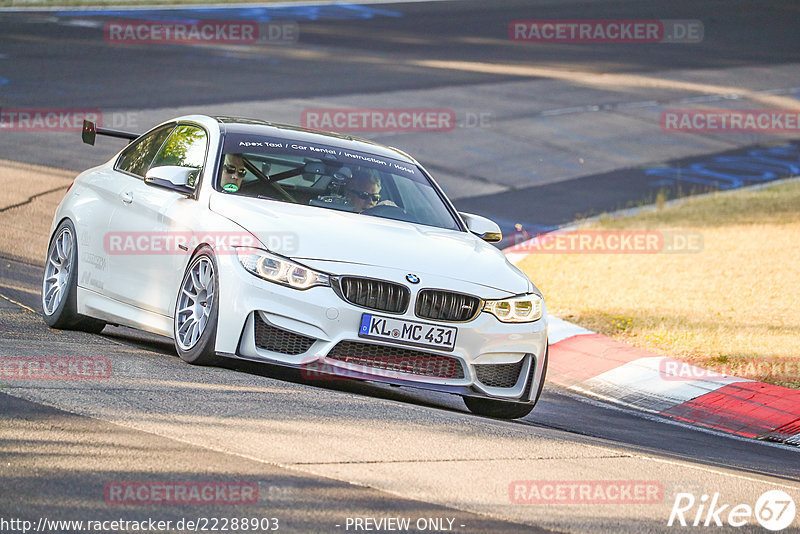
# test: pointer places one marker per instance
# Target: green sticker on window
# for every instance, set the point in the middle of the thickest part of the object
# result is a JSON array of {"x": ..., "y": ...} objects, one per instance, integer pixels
[{"x": 230, "y": 188}]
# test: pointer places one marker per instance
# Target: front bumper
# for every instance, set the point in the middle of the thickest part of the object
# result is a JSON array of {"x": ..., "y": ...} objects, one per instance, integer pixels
[{"x": 316, "y": 331}]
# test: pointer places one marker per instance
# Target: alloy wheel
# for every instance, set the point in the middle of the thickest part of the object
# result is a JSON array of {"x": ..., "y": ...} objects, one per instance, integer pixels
[
  {"x": 57, "y": 271},
  {"x": 195, "y": 303}
]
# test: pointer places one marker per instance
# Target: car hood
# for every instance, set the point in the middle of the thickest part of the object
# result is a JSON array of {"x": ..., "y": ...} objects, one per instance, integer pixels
[{"x": 309, "y": 234}]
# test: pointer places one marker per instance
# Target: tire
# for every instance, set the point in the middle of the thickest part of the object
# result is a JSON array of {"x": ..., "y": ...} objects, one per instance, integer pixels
[
  {"x": 197, "y": 310},
  {"x": 60, "y": 284},
  {"x": 504, "y": 409}
]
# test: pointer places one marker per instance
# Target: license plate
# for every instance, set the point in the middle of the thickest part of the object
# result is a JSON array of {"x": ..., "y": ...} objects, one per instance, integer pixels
[{"x": 408, "y": 332}]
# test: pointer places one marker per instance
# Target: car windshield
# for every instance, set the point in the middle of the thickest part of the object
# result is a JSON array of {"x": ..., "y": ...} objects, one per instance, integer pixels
[{"x": 331, "y": 178}]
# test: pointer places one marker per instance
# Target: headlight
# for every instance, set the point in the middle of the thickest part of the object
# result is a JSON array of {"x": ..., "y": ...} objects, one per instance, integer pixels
[
  {"x": 517, "y": 309},
  {"x": 280, "y": 270}
]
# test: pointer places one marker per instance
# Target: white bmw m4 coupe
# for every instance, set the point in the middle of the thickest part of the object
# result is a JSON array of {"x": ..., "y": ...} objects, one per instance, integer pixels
[{"x": 244, "y": 239}]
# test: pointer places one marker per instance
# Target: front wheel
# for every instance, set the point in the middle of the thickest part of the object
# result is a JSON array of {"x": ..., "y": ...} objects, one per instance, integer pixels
[
  {"x": 60, "y": 284},
  {"x": 197, "y": 310}
]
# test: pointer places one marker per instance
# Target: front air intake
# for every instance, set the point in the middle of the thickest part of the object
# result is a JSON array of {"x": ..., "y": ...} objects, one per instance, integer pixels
[
  {"x": 378, "y": 295},
  {"x": 442, "y": 305}
]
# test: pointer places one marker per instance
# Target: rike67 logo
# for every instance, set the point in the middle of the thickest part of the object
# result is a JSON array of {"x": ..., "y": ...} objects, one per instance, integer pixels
[{"x": 774, "y": 510}]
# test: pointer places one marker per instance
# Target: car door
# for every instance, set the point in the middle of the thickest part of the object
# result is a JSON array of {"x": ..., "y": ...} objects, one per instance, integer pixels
[
  {"x": 150, "y": 221},
  {"x": 105, "y": 193}
]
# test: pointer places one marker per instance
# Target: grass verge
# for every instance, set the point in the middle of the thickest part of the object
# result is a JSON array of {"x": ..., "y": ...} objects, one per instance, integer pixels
[{"x": 733, "y": 306}]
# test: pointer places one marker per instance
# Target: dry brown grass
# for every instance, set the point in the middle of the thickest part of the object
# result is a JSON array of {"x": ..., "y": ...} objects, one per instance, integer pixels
[{"x": 734, "y": 306}]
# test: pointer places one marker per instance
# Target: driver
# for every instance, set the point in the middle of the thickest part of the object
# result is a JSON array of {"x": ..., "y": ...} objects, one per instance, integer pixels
[
  {"x": 233, "y": 172},
  {"x": 363, "y": 190}
]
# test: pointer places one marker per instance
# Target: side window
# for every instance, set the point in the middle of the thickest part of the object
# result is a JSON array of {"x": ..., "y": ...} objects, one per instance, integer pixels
[
  {"x": 421, "y": 201},
  {"x": 185, "y": 147},
  {"x": 136, "y": 158}
]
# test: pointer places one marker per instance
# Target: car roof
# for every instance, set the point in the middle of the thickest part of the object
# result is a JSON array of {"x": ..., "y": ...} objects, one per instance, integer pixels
[{"x": 241, "y": 125}]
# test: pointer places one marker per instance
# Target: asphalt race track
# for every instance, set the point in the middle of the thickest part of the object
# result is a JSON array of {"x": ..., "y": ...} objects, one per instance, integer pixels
[{"x": 544, "y": 133}]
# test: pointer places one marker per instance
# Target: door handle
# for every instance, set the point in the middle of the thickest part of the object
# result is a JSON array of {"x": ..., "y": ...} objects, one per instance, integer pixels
[{"x": 127, "y": 197}]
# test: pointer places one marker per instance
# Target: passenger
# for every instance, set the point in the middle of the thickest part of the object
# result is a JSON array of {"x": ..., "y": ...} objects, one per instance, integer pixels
[
  {"x": 363, "y": 191},
  {"x": 233, "y": 172}
]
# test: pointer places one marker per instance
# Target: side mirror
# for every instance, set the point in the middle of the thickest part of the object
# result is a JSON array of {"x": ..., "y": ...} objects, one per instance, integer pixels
[
  {"x": 482, "y": 227},
  {"x": 174, "y": 178}
]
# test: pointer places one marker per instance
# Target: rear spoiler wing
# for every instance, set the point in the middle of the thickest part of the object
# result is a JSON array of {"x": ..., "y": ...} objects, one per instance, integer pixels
[{"x": 90, "y": 131}]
